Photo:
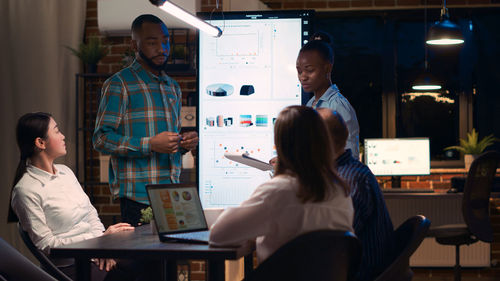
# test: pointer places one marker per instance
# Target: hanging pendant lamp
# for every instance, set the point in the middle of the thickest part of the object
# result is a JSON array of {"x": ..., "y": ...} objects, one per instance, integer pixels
[
  {"x": 426, "y": 81},
  {"x": 444, "y": 31}
]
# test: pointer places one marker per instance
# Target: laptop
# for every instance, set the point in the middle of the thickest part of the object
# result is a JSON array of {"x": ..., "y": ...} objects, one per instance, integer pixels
[{"x": 178, "y": 213}]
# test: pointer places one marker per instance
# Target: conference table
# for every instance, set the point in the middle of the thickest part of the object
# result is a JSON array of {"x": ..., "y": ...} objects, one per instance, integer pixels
[{"x": 142, "y": 243}]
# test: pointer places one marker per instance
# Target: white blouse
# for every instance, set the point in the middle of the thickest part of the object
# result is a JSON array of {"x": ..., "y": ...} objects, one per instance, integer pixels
[
  {"x": 274, "y": 215},
  {"x": 54, "y": 209}
]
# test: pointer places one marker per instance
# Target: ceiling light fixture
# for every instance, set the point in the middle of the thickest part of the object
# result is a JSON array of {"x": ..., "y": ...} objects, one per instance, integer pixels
[
  {"x": 425, "y": 81},
  {"x": 186, "y": 17},
  {"x": 444, "y": 31}
]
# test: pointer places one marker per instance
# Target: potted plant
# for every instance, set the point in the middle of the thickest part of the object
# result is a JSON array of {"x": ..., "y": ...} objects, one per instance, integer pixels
[
  {"x": 179, "y": 58},
  {"x": 147, "y": 217},
  {"x": 90, "y": 53},
  {"x": 179, "y": 54},
  {"x": 471, "y": 147},
  {"x": 128, "y": 57}
]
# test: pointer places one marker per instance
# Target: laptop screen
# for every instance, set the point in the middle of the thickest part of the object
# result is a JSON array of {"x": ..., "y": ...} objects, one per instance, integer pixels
[{"x": 176, "y": 208}]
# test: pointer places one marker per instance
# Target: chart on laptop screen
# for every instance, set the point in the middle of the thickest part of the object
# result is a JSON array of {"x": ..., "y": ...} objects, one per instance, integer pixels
[
  {"x": 179, "y": 208},
  {"x": 246, "y": 77}
]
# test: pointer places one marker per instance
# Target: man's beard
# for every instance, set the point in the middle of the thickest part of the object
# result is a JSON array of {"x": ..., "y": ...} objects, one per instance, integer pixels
[{"x": 151, "y": 64}]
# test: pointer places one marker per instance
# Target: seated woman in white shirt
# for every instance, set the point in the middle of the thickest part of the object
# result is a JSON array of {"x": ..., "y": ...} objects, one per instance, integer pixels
[
  {"x": 306, "y": 194},
  {"x": 48, "y": 199}
]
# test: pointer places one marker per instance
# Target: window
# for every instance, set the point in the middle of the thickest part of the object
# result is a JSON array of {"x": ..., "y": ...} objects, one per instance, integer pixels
[
  {"x": 380, "y": 53},
  {"x": 358, "y": 60},
  {"x": 432, "y": 114}
]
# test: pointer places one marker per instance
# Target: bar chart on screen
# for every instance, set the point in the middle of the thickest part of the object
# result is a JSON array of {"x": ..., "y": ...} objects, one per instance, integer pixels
[{"x": 246, "y": 77}]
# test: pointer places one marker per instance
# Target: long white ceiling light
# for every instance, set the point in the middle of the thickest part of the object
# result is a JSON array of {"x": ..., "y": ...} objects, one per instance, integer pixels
[{"x": 186, "y": 17}]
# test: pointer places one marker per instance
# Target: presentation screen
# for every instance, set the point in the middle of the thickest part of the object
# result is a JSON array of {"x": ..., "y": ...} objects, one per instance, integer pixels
[
  {"x": 245, "y": 78},
  {"x": 398, "y": 157}
]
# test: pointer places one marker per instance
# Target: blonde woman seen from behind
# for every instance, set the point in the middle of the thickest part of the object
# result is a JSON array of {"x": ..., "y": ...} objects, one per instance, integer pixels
[{"x": 305, "y": 194}]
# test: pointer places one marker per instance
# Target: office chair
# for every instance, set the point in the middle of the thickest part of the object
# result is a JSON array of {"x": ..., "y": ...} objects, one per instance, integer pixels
[
  {"x": 475, "y": 209},
  {"x": 45, "y": 263},
  {"x": 16, "y": 267},
  {"x": 319, "y": 255},
  {"x": 407, "y": 237}
]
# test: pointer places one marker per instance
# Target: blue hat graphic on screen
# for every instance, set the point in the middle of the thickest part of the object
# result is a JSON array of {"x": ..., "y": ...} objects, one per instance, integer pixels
[
  {"x": 247, "y": 90},
  {"x": 220, "y": 90}
]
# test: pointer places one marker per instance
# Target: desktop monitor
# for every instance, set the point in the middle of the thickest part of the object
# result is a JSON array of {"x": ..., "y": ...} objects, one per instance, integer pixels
[
  {"x": 398, "y": 157},
  {"x": 245, "y": 78}
]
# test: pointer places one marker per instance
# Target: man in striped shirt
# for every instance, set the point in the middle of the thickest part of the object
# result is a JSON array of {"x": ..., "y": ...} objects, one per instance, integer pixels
[
  {"x": 372, "y": 223},
  {"x": 138, "y": 121}
]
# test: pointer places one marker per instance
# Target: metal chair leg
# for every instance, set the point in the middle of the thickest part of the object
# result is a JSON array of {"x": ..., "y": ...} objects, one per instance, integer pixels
[{"x": 458, "y": 275}]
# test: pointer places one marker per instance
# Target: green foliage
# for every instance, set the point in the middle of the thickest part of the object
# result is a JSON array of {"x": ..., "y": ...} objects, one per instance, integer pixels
[
  {"x": 179, "y": 52},
  {"x": 472, "y": 145},
  {"x": 92, "y": 52},
  {"x": 146, "y": 215},
  {"x": 128, "y": 57}
]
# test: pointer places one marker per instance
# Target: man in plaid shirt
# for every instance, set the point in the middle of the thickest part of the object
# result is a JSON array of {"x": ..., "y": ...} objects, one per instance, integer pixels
[{"x": 138, "y": 121}]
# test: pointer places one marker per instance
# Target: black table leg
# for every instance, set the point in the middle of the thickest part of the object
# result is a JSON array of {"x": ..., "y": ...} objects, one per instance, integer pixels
[
  {"x": 248, "y": 264},
  {"x": 82, "y": 269},
  {"x": 169, "y": 270},
  {"x": 216, "y": 270}
]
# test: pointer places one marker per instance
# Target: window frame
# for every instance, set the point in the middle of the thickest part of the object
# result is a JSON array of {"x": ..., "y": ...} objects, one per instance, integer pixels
[{"x": 389, "y": 93}]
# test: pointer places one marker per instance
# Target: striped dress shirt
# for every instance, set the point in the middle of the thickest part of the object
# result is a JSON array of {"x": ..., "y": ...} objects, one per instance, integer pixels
[
  {"x": 372, "y": 223},
  {"x": 136, "y": 105}
]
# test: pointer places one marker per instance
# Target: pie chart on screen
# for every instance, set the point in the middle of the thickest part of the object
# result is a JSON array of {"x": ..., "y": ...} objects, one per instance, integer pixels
[{"x": 220, "y": 90}]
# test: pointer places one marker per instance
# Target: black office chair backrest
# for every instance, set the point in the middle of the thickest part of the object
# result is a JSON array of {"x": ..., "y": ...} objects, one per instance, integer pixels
[
  {"x": 16, "y": 267},
  {"x": 407, "y": 238},
  {"x": 319, "y": 255},
  {"x": 476, "y": 201},
  {"x": 45, "y": 262}
]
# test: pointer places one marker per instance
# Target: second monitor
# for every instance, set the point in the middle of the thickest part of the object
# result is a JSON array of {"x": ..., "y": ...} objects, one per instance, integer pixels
[{"x": 398, "y": 157}]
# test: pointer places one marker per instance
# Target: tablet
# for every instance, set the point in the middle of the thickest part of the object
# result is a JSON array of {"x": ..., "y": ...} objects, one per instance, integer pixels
[{"x": 245, "y": 158}]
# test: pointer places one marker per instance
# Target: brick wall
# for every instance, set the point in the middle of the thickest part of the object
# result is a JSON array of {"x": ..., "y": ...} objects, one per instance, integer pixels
[
  {"x": 119, "y": 45},
  {"x": 109, "y": 209},
  {"x": 113, "y": 62},
  {"x": 439, "y": 180}
]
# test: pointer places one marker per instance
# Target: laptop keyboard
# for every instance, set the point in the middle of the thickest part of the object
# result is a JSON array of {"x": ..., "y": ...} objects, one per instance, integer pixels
[{"x": 196, "y": 236}]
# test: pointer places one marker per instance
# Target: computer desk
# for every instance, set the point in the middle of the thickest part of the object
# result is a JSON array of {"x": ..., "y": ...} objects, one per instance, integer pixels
[
  {"x": 440, "y": 208},
  {"x": 141, "y": 243}
]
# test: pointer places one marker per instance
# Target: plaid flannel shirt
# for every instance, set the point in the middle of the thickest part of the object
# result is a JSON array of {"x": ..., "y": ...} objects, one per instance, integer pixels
[{"x": 136, "y": 105}]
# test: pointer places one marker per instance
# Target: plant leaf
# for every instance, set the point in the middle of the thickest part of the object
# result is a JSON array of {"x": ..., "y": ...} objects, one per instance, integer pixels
[
  {"x": 471, "y": 144},
  {"x": 91, "y": 52}
]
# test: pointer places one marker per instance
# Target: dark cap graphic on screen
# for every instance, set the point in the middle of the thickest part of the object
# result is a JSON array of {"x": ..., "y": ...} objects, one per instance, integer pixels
[{"x": 247, "y": 90}]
